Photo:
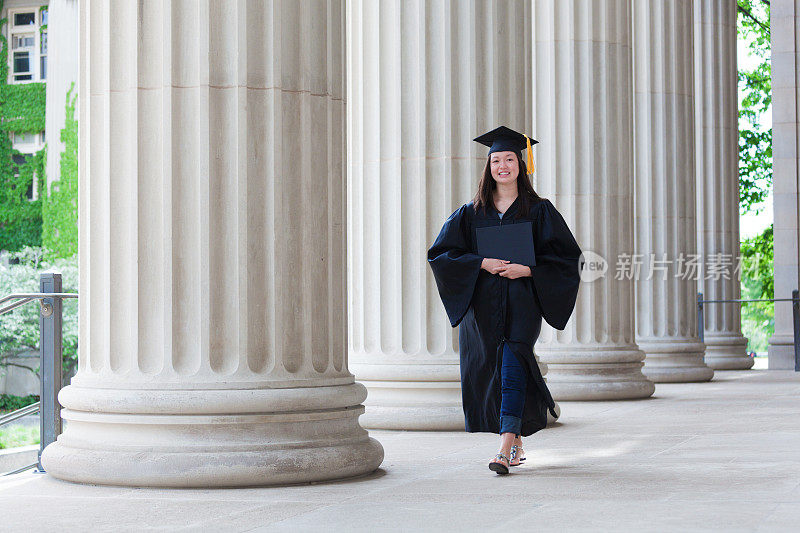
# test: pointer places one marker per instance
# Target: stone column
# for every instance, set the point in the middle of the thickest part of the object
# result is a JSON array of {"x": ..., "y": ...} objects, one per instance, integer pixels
[
  {"x": 582, "y": 118},
  {"x": 62, "y": 71},
  {"x": 424, "y": 78},
  {"x": 663, "y": 153},
  {"x": 717, "y": 163},
  {"x": 784, "y": 24},
  {"x": 212, "y": 256}
]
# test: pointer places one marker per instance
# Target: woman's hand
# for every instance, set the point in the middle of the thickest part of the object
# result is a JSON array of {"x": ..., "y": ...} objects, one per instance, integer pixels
[
  {"x": 493, "y": 266},
  {"x": 514, "y": 271}
]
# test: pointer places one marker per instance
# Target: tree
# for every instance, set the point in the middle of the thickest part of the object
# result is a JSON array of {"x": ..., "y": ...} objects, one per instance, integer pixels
[
  {"x": 755, "y": 171},
  {"x": 758, "y": 281},
  {"x": 755, "y": 142},
  {"x": 19, "y": 329}
]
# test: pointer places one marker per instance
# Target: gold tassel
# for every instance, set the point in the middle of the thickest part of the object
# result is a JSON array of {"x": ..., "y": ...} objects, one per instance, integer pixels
[{"x": 530, "y": 155}]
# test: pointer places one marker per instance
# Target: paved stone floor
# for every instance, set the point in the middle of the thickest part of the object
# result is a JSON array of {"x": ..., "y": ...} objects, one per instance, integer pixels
[{"x": 719, "y": 456}]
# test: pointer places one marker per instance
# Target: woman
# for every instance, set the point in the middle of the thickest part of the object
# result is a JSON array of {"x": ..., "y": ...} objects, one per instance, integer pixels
[{"x": 499, "y": 304}]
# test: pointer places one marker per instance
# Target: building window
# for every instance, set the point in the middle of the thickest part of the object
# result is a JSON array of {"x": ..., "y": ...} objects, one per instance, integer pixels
[
  {"x": 25, "y": 19},
  {"x": 25, "y": 138},
  {"x": 27, "y": 141},
  {"x": 20, "y": 159},
  {"x": 28, "y": 56}
]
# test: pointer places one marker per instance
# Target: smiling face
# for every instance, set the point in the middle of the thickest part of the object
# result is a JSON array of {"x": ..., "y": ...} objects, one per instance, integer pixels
[{"x": 504, "y": 166}]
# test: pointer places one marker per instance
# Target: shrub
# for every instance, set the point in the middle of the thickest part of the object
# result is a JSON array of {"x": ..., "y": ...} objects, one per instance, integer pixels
[{"x": 9, "y": 402}]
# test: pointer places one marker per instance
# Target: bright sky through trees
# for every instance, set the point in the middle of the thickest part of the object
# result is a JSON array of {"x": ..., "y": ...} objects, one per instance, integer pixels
[{"x": 752, "y": 224}]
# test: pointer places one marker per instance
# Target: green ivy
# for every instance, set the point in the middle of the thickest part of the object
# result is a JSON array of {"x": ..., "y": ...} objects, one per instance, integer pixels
[
  {"x": 20, "y": 218},
  {"x": 42, "y": 27},
  {"x": 60, "y": 210},
  {"x": 23, "y": 104},
  {"x": 22, "y": 110}
]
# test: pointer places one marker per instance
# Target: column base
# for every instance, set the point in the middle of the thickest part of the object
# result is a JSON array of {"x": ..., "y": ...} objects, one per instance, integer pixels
[
  {"x": 727, "y": 352},
  {"x": 203, "y": 438},
  {"x": 674, "y": 361},
  {"x": 780, "y": 353},
  {"x": 421, "y": 418},
  {"x": 410, "y": 418},
  {"x": 595, "y": 374},
  {"x": 414, "y": 397}
]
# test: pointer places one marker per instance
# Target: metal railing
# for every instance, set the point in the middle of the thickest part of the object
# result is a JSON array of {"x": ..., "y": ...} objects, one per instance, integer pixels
[
  {"x": 50, "y": 347},
  {"x": 795, "y": 299}
]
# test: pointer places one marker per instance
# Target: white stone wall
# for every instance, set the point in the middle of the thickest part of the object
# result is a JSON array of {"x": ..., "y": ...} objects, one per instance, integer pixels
[
  {"x": 18, "y": 381},
  {"x": 62, "y": 71}
]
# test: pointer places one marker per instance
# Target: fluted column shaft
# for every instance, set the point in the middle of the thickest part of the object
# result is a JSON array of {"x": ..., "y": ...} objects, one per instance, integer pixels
[
  {"x": 424, "y": 78},
  {"x": 582, "y": 118},
  {"x": 785, "y": 35},
  {"x": 666, "y": 239},
  {"x": 717, "y": 164},
  {"x": 212, "y": 317}
]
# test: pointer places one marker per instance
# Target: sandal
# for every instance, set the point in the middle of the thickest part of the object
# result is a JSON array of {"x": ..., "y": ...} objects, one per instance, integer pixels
[
  {"x": 497, "y": 466},
  {"x": 515, "y": 452}
]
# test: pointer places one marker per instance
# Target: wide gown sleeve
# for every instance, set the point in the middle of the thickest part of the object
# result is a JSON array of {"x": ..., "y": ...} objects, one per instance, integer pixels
[
  {"x": 455, "y": 267},
  {"x": 556, "y": 275}
]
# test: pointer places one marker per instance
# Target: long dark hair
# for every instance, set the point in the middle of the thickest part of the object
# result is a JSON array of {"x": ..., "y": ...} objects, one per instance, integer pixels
[{"x": 487, "y": 185}]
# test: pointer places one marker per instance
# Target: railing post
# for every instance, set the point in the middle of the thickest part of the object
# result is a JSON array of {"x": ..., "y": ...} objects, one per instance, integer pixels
[
  {"x": 796, "y": 328},
  {"x": 701, "y": 323},
  {"x": 49, "y": 361}
]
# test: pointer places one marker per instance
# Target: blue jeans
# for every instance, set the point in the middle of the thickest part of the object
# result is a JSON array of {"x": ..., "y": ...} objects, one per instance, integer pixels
[{"x": 513, "y": 383}]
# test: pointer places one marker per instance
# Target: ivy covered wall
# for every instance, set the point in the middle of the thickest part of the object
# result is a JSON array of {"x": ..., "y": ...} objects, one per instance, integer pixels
[
  {"x": 22, "y": 110},
  {"x": 60, "y": 209}
]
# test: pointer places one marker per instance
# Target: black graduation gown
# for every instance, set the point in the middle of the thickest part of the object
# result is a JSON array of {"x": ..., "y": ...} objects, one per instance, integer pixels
[{"x": 492, "y": 310}]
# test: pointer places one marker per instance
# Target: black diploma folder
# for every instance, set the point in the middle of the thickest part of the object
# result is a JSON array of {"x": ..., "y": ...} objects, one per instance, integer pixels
[{"x": 512, "y": 242}]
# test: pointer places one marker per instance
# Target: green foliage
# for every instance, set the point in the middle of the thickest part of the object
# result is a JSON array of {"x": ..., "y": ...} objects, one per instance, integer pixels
[
  {"x": 755, "y": 172},
  {"x": 20, "y": 218},
  {"x": 23, "y": 106},
  {"x": 15, "y": 436},
  {"x": 60, "y": 210},
  {"x": 755, "y": 142},
  {"x": 19, "y": 329},
  {"x": 22, "y": 110},
  {"x": 9, "y": 402},
  {"x": 758, "y": 281}
]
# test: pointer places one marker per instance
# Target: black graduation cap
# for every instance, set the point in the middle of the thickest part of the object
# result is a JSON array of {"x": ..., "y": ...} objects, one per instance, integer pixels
[{"x": 505, "y": 139}]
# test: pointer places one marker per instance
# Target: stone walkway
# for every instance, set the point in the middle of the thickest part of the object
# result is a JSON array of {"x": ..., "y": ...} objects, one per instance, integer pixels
[{"x": 719, "y": 456}]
